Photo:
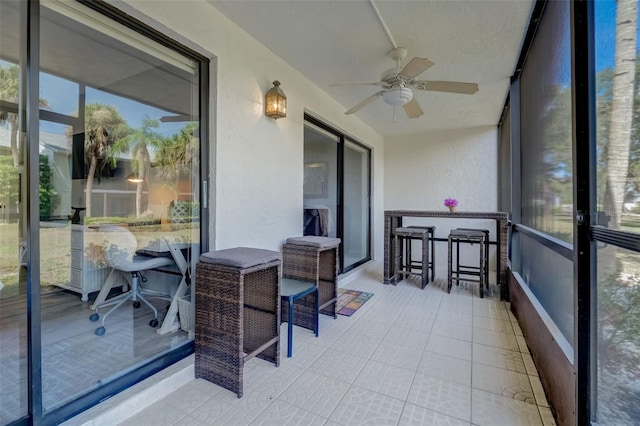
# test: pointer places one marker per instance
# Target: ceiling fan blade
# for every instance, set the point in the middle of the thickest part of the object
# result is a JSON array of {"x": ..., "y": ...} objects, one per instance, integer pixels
[
  {"x": 412, "y": 108},
  {"x": 447, "y": 86},
  {"x": 175, "y": 118},
  {"x": 358, "y": 83},
  {"x": 415, "y": 67},
  {"x": 364, "y": 102}
]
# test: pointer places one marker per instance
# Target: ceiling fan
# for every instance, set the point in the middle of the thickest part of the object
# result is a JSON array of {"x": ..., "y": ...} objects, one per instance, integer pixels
[{"x": 398, "y": 85}]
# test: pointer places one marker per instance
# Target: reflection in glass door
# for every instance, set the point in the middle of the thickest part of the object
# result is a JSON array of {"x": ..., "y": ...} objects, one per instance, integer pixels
[
  {"x": 356, "y": 204},
  {"x": 336, "y": 191},
  {"x": 320, "y": 181},
  {"x": 118, "y": 131},
  {"x": 13, "y": 283}
]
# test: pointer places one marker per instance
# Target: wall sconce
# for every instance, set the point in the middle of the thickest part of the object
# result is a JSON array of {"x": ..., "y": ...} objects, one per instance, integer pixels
[
  {"x": 134, "y": 178},
  {"x": 275, "y": 102}
]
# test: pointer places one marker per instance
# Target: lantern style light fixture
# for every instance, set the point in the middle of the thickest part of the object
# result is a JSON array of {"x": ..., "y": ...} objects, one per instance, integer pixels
[{"x": 275, "y": 102}]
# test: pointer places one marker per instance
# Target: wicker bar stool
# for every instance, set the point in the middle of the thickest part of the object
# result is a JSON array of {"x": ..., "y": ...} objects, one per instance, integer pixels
[
  {"x": 486, "y": 251},
  {"x": 456, "y": 237},
  {"x": 237, "y": 313},
  {"x": 432, "y": 251},
  {"x": 313, "y": 259},
  {"x": 406, "y": 235}
]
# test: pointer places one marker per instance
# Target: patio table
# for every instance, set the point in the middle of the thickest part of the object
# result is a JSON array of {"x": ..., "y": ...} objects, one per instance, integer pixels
[{"x": 393, "y": 220}]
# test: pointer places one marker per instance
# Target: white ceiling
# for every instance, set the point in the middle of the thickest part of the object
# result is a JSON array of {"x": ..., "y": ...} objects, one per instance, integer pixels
[{"x": 337, "y": 41}]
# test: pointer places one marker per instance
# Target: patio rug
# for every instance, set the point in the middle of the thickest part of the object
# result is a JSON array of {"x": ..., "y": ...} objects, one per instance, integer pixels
[{"x": 350, "y": 300}]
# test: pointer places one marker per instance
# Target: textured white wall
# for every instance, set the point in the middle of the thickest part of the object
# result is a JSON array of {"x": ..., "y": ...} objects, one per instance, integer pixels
[
  {"x": 422, "y": 170},
  {"x": 258, "y": 162}
]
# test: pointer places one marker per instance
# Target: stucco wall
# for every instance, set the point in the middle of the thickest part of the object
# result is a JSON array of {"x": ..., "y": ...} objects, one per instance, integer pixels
[
  {"x": 422, "y": 170},
  {"x": 257, "y": 163}
]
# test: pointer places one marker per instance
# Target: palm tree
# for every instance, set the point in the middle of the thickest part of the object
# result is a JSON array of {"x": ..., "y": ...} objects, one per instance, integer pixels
[
  {"x": 105, "y": 131},
  {"x": 10, "y": 92},
  {"x": 618, "y": 149},
  {"x": 141, "y": 140},
  {"x": 176, "y": 154}
]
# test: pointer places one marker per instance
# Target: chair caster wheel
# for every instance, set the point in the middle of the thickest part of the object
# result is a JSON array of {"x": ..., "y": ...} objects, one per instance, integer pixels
[
  {"x": 94, "y": 317},
  {"x": 153, "y": 322},
  {"x": 100, "y": 331},
  {"x": 136, "y": 304}
]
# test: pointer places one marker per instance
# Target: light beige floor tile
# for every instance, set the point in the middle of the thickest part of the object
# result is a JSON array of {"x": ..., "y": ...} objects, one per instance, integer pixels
[
  {"x": 338, "y": 365},
  {"x": 538, "y": 391},
  {"x": 159, "y": 413},
  {"x": 414, "y": 415},
  {"x": 214, "y": 408},
  {"x": 488, "y": 409},
  {"x": 391, "y": 353},
  {"x": 492, "y": 324},
  {"x": 385, "y": 379},
  {"x": 280, "y": 413},
  {"x": 406, "y": 337},
  {"x": 502, "y": 382},
  {"x": 304, "y": 353},
  {"x": 529, "y": 364},
  {"x": 522, "y": 344},
  {"x": 456, "y": 317},
  {"x": 495, "y": 339},
  {"x": 192, "y": 395},
  {"x": 442, "y": 396},
  {"x": 490, "y": 309},
  {"x": 516, "y": 329},
  {"x": 361, "y": 406},
  {"x": 357, "y": 344},
  {"x": 547, "y": 416},
  {"x": 455, "y": 331},
  {"x": 315, "y": 393},
  {"x": 189, "y": 421},
  {"x": 419, "y": 323},
  {"x": 446, "y": 367},
  {"x": 500, "y": 358},
  {"x": 242, "y": 412},
  {"x": 448, "y": 346}
]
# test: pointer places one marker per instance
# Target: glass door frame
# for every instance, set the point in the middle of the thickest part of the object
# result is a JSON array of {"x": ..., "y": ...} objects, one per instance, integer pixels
[
  {"x": 340, "y": 190},
  {"x": 29, "y": 115}
]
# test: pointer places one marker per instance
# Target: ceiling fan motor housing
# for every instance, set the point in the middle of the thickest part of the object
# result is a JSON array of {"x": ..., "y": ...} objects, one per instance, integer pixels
[{"x": 397, "y": 96}]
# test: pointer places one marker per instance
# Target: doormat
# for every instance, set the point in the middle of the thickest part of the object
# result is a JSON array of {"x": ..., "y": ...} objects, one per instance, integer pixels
[{"x": 350, "y": 300}]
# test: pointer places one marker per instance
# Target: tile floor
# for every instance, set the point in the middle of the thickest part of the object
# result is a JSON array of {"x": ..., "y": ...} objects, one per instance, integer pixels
[{"x": 407, "y": 357}]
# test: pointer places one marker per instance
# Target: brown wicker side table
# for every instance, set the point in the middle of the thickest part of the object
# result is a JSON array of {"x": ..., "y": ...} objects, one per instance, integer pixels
[
  {"x": 313, "y": 259},
  {"x": 237, "y": 313}
]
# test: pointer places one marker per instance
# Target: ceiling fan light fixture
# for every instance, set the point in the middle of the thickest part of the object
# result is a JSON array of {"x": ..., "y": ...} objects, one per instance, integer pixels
[{"x": 397, "y": 96}]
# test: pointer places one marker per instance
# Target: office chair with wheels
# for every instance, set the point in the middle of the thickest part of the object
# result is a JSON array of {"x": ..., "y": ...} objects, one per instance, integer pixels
[{"x": 120, "y": 247}]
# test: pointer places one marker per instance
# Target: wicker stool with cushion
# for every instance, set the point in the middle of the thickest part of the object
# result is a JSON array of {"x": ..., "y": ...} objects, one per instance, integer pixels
[
  {"x": 486, "y": 251},
  {"x": 406, "y": 235},
  {"x": 432, "y": 251},
  {"x": 456, "y": 237},
  {"x": 237, "y": 313},
  {"x": 313, "y": 259}
]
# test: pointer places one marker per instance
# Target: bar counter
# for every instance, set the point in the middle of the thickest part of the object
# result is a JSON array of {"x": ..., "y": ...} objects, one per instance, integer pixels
[{"x": 393, "y": 220}]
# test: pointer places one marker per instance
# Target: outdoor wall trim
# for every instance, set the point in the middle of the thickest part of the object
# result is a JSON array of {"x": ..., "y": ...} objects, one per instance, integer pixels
[{"x": 550, "y": 350}]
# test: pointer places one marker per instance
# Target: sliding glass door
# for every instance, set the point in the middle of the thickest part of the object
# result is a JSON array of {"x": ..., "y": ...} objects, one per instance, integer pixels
[
  {"x": 13, "y": 272},
  {"x": 336, "y": 191},
  {"x": 103, "y": 159},
  {"x": 355, "y": 241}
]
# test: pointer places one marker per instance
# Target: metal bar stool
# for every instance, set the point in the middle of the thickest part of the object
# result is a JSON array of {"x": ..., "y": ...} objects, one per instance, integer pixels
[
  {"x": 407, "y": 235},
  {"x": 457, "y": 236},
  {"x": 432, "y": 250}
]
